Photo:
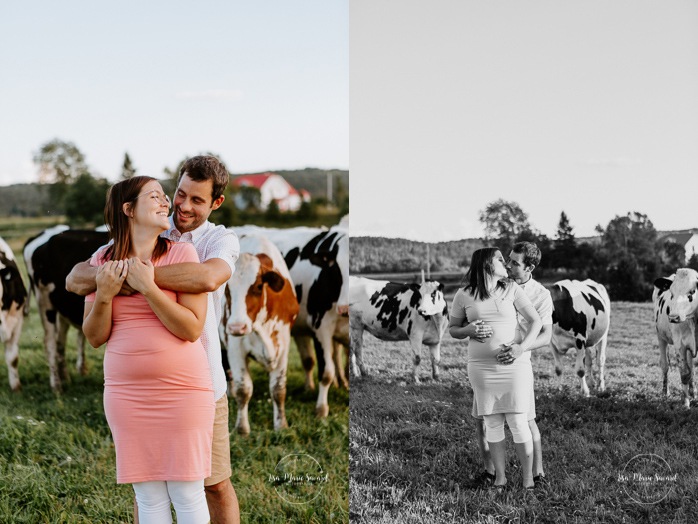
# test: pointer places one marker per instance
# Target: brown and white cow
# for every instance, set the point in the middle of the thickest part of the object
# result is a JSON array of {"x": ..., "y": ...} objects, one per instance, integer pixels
[
  {"x": 675, "y": 315},
  {"x": 259, "y": 310},
  {"x": 581, "y": 318},
  {"x": 318, "y": 261},
  {"x": 397, "y": 312},
  {"x": 13, "y": 297},
  {"x": 49, "y": 257}
]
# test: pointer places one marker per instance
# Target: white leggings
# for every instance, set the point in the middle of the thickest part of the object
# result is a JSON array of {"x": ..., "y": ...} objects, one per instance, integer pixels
[
  {"x": 518, "y": 425},
  {"x": 188, "y": 498}
]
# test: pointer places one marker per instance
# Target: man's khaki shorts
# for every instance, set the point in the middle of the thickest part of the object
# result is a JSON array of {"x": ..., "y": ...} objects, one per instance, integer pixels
[{"x": 220, "y": 451}]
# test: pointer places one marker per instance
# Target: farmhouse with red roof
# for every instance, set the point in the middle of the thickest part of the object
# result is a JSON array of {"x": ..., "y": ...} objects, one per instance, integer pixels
[{"x": 272, "y": 187}]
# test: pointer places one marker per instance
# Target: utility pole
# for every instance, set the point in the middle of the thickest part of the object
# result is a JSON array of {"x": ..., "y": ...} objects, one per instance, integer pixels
[
  {"x": 329, "y": 188},
  {"x": 428, "y": 263}
]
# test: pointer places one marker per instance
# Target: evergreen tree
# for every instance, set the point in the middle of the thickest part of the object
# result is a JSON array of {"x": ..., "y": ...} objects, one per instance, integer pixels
[
  {"x": 127, "y": 169},
  {"x": 565, "y": 232}
]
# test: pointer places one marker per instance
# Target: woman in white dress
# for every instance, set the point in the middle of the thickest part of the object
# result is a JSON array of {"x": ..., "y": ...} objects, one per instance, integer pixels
[{"x": 501, "y": 391}]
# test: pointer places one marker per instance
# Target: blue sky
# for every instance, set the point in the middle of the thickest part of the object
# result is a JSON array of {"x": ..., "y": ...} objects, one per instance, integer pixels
[
  {"x": 263, "y": 84},
  {"x": 586, "y": 106}
]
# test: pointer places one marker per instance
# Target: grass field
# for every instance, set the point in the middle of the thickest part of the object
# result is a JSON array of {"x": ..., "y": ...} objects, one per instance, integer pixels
[
  {"x": 412, "y": 448},
  {"x": 57, "y": 456}
]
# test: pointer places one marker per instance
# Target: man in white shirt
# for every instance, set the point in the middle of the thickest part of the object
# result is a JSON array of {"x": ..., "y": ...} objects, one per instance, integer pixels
[
  {"x": 523, "y": 259},
  {"x": 202, "y": 180}
]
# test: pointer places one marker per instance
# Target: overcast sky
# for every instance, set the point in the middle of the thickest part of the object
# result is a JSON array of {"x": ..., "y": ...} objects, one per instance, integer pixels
[
  {"x": 263, "y": 84},
  {"x": 586, "y": 106}
]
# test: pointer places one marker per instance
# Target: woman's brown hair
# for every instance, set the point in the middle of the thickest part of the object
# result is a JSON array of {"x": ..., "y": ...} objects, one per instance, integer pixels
[
  {"x": 481, "y": 267},
  {"x": 125, "y": 192}
]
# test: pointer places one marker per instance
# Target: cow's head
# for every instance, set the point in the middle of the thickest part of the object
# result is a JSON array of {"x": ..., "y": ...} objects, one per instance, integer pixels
[
  {"x": 432, "y": 301},
  {"x": 247, "y": 292},
  {"x": 683, "y": 300}
]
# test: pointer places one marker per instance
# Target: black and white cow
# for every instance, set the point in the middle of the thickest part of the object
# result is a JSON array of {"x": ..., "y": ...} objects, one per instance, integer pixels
[
  {"x": 675, "y": 316},
  {"x": 318, "y": 261},
  {"x": 581, "y": 318},
  {"x": 259, "y": 309},
  {"x": 13, "y": 297},
  {"x": 396, "y": 312},
  {"x": 49, "y": 257}
]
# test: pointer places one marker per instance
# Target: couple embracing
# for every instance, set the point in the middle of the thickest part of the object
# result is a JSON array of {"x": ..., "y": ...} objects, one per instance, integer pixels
[{"x": 506, "y": 314}]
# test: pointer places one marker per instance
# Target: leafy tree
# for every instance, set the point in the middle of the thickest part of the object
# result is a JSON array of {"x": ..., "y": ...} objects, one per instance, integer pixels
[
  {"x": 250, "y": 198},
  {"x": 504, "y": 222},
  {"x": 273, "y": 212},
  {"x": 127, "y": 169},
  {"x": 307, "y": 210},
  {"x": 60, "y": 163},
  {"x": 673, "y": 256},
  {"x": 85, "y": 200},
  {"x": 629, "y": 247},
  {"x": 228, "y": 214}
]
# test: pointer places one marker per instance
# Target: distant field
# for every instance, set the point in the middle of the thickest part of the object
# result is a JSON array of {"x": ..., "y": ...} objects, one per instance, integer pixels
[
  {"x": 412, "y": 449},
  {"x": 57, "y": 456}
]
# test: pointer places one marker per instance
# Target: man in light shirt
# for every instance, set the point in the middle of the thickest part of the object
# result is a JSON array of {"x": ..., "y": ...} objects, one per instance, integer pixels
[
  {"x": 523, "y": 259},
  {"x": 200, "y": 186}
]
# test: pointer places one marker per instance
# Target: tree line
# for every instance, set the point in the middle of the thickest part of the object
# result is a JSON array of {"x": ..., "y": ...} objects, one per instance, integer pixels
[
  {"x": 69, "y": 187},
  {"x": 627, "y": 256}
]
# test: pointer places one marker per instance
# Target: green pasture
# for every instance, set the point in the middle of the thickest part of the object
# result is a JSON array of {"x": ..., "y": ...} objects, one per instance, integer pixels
[
  {"x": 413, "y": 453},
  {"x": 57, "y": 456}
]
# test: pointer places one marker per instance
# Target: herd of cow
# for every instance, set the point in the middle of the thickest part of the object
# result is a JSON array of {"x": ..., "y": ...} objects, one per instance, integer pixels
[
  {"x": 581, "y": 320},
  {"x": 295, "y": 283},
  {"x": 287, "y": 283}
]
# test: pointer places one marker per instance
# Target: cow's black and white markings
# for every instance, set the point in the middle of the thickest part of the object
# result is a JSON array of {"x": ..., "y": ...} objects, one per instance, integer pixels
[
  {"x": 675, "y": 314},
  {"x": 397, "y": 312},
  {"x": 49, "y": 257},
  {"x": 13, "y": 298},
  {"x": 581, "y": 318},
  {"x": 318, "y": 261}
]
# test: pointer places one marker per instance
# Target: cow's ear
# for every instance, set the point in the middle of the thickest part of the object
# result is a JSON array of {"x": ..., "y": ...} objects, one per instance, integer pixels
[
  {"x": 273, "y": 280},
  {"x": 662, "y": 284}
]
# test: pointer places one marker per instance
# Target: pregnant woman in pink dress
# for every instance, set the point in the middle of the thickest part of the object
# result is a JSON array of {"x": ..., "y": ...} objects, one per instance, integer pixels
[
  {"x": 158, "y": 397},
  {"x": 501, "y": 391}
]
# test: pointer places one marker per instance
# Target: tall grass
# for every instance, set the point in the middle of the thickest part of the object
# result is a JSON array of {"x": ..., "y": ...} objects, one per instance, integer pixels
[
  {"x": 413, "y": 453},
  {"x": 57, "y": 457}
]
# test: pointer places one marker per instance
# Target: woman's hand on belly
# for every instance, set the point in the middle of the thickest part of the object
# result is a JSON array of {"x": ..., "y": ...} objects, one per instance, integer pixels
[{"x": 509, "y": 353}]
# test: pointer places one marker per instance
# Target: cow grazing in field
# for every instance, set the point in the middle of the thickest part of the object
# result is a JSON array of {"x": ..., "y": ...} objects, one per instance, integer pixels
[
  {"x": 318, "y": 261},
  {"x": 49, "y": 257},
  {"x": 13, "y": 298},
  {"x": 675, "y": 315},
  {"x": 396, "y": 312},
  {"x": 581, "y": 318},
  {"x": 260, "y": 308}
]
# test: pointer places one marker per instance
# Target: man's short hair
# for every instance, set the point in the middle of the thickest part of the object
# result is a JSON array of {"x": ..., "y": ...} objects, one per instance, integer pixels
[
  {"x": 206, "y": 167},
  {"x": 530, "y": 252}
]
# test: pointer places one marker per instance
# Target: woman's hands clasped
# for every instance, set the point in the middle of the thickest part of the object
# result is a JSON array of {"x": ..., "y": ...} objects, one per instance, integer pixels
[
  {"x": 141, "y": 275},
  {"x": 110, "y": 277}
]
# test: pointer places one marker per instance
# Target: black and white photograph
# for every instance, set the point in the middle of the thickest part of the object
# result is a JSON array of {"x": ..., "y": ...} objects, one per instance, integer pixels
[{"x": 523, "y": 261}]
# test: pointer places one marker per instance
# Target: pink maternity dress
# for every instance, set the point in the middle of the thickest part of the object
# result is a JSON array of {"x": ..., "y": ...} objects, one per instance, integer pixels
[{"x": 158, "y": 397}]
